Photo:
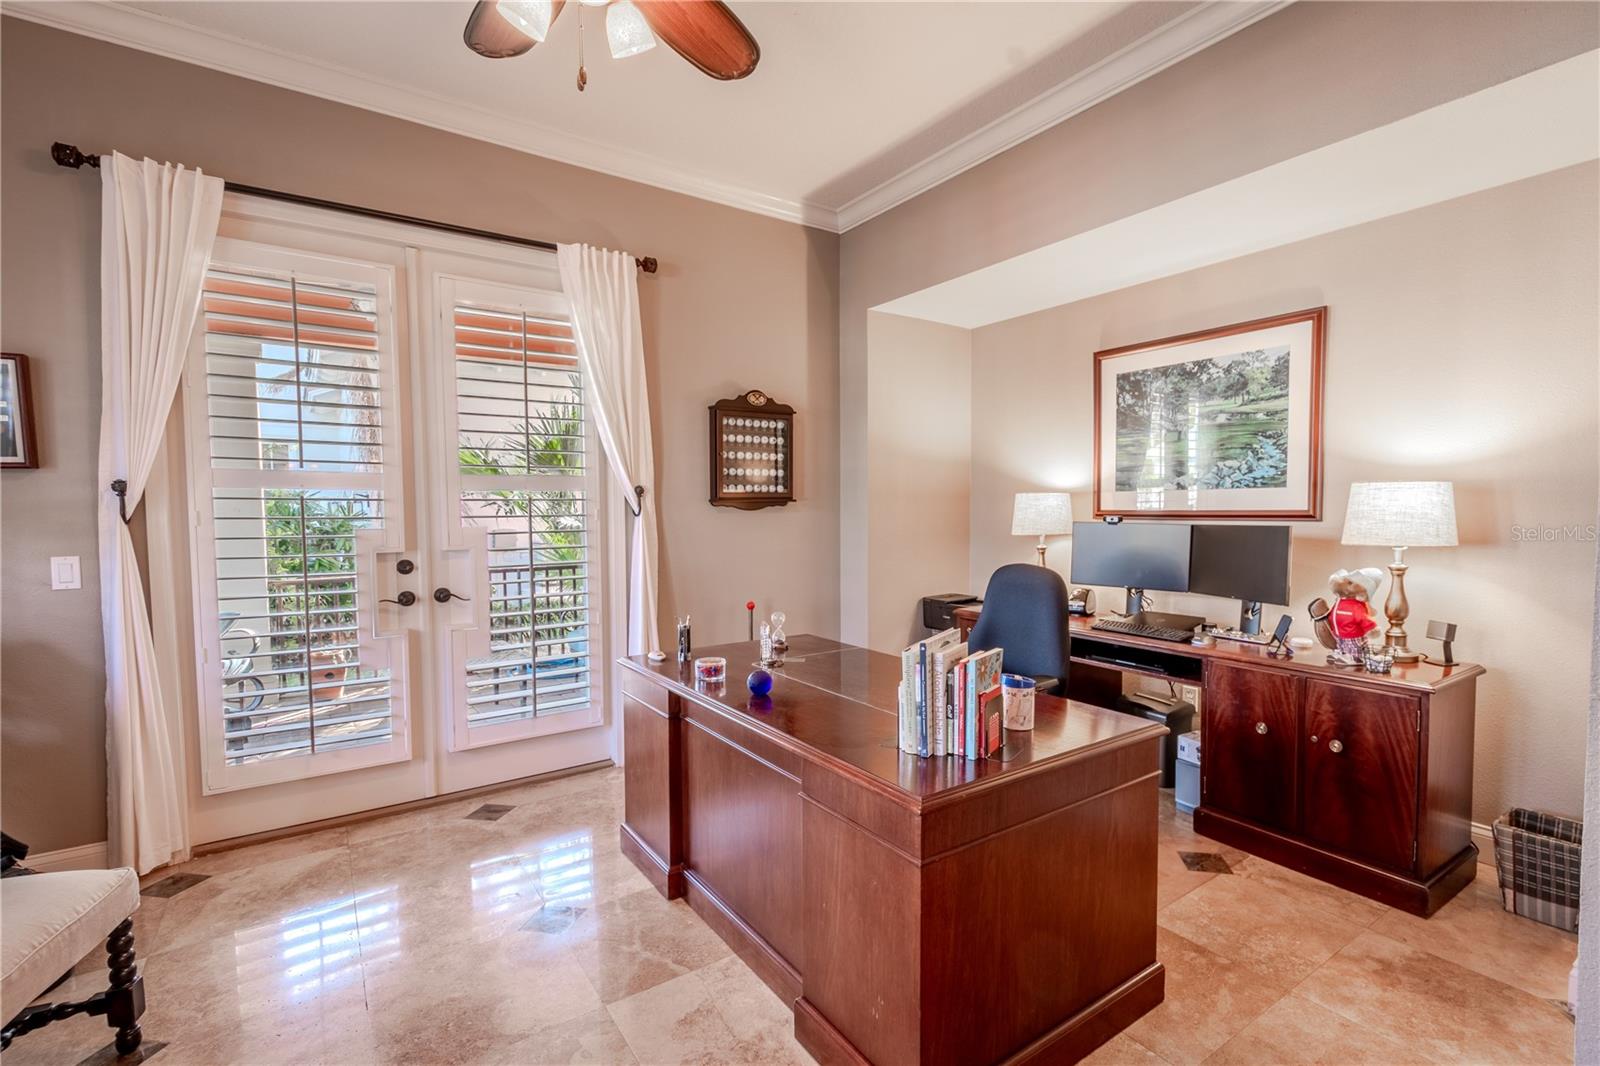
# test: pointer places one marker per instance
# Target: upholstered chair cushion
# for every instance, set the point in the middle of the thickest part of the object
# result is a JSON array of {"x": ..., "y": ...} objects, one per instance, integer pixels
[{"x": 49, "y": 922}]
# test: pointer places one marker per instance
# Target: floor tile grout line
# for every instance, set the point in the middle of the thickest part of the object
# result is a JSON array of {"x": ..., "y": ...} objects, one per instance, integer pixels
[
  {"x": 1409, "y": 947},
  {"x": 361, "y": 948},
  {"x": 1359, "y": 1022},
  {"x": 1153, "y": 1052},
  {"x": 1247, "y": 966}
]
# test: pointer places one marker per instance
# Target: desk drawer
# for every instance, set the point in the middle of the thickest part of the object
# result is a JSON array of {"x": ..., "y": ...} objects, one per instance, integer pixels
[{"x": 647, "y": 691}]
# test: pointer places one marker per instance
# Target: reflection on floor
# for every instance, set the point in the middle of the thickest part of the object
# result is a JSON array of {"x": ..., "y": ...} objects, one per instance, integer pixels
[{"x": 440, "y": 937}]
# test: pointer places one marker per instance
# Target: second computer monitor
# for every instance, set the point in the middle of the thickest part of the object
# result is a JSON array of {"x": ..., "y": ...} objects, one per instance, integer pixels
[
  {"x": 1135, "y": 555},
  {"x": 1248, "y": 563}
]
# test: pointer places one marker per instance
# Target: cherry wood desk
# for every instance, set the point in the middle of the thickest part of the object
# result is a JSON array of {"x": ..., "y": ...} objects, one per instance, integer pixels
[
  {"x": 1362, "y": 780},
  {"x": 929, "y": 911}
]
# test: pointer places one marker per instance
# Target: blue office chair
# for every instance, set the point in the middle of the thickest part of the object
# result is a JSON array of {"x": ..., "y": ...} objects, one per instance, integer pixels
[{"x": 1025, "y": 615}]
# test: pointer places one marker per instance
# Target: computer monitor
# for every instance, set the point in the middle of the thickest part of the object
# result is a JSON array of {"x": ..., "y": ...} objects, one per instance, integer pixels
[
  {"x": 1245, "y": 563},
  {"x": 1135, "y": 555}
]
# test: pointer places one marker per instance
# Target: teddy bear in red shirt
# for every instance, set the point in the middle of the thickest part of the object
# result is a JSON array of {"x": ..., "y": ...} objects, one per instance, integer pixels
[{"x": 1352, "y": 616}]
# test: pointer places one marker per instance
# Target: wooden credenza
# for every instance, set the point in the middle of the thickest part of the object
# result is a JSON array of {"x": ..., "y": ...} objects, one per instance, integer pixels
[
  {"x": 1362, "y": 780},
  {"x": 928, "y": 911}
]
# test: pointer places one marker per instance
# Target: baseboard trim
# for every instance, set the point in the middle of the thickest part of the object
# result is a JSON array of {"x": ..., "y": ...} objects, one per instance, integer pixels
[
  {"x": 83, "y": 857},
  {"x": 212, "y": 847},
  {"x": 1483, "y": 836}
]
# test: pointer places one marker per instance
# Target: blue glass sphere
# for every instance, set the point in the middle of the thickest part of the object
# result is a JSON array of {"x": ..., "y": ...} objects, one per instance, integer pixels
[{"x": 760, "y": 682}]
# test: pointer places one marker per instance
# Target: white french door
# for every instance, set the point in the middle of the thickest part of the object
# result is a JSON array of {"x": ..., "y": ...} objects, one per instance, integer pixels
[
  {"x": 299, "y": 492},
  {"x": 397, "y": 531},
  {"x": 517, "y": 484}
]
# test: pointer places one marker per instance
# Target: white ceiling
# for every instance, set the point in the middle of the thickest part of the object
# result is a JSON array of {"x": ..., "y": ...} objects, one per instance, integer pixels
[
  {"x": 854, "y": 107},
  {"x": 1536, "y": 123}
]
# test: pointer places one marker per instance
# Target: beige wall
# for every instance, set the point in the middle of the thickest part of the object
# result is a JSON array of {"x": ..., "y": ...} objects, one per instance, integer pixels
[
  {"x": 920, "y": 450},
  {"x": 1461, "y": 346},
  {"x": 741, "y": 302},
  {"x": 1307, "y": 76}
]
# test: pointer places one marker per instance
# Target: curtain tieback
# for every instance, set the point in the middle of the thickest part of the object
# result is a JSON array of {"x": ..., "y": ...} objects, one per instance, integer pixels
[
  {"x": 120, "y": 487},
  {"x": 636, "y": 506}
]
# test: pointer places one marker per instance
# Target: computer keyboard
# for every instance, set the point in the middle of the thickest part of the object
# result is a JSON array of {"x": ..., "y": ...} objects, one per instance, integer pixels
[{"x": 1140, "y": 629}]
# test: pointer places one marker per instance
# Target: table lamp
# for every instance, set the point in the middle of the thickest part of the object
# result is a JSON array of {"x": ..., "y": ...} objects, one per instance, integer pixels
[
  {"x": 1400, "y": 515},
  {"x": 1041, "y": 514}
]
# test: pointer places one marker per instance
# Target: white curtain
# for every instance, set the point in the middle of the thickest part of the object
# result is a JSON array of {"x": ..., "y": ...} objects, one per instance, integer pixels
[
  {"x": 603, "y": 287},
  {"x": 157, "y": 225}
]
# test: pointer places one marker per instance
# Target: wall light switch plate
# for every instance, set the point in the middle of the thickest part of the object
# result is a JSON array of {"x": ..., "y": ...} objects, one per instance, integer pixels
[{"x": 65, "y": 572}]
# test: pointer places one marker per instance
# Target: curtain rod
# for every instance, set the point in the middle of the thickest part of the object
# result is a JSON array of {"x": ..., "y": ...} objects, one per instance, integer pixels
[{"x": 68, "y": 155}]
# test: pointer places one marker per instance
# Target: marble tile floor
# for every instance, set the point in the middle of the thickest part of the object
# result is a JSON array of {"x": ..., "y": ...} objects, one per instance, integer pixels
[{"x": 510, "y": 929}]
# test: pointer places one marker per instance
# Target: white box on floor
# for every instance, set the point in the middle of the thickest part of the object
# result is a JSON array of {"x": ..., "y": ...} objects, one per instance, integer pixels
[{"x": 1187, "y": 790}]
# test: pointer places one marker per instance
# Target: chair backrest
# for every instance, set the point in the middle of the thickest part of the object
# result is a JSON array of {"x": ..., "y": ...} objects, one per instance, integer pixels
[{"x": 1025, "y": 615}]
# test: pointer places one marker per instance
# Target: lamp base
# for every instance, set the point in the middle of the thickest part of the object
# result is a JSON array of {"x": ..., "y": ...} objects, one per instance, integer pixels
[
  {"x": 1398, "y": 609},
  {"x": 1040, "y": 549}
]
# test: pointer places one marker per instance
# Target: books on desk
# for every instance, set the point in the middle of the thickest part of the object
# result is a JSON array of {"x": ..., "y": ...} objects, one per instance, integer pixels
[{"x": 949, "y": 700}]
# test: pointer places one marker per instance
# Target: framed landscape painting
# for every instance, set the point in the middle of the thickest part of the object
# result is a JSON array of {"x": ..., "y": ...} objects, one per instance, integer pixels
[
  {"x": 1224, "y": 423},
  {"x": 17, "y": 448}
]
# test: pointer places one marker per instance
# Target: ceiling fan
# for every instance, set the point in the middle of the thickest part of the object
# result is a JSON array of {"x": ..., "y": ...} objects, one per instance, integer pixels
[{"x": 704, "y": 32}]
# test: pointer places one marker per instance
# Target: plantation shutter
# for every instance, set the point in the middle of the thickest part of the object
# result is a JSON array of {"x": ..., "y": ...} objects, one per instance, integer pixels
[
  {"x": 524, "y": 477},
  {"x": 293, "y": 369}
]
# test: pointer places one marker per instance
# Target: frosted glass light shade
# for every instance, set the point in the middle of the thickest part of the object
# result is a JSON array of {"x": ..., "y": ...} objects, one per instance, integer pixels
[
  {"x": 1041, "y": 514},
  {"x": 532, "y": 17},
  {"x": 626, "y": 30},
  {"x": 1401, "y": 514}
]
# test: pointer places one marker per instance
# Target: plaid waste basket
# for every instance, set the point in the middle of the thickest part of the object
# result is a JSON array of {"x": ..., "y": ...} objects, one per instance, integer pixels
[{"x": 1536, "y": 856}]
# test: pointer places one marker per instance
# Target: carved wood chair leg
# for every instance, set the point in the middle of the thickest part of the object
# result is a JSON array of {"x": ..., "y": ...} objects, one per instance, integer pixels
[{"x": 125, "y": 997}]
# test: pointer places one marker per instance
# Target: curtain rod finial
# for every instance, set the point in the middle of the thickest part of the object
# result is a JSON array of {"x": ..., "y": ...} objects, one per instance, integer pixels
[
  {"x": 647, "y": 264},
  {"x": 67, "y": 155}
]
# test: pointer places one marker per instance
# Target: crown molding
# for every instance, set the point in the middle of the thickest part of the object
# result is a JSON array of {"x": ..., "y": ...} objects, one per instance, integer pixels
[
  {"x": 1537, "y": 123},
  {"x": 147, "y": 32},
  {"x": 1204, "y": 25},
  {"x": 1207, "y": 23}
]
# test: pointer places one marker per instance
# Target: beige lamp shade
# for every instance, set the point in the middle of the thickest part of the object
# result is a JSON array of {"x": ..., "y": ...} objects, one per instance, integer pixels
[
  {"x": 1401, "y": 514},
  {"x": 1041, "y": 514}
]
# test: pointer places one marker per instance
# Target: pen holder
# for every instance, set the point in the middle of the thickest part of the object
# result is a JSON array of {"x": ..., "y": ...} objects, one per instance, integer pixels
[{"x": 1017, "y": 692}]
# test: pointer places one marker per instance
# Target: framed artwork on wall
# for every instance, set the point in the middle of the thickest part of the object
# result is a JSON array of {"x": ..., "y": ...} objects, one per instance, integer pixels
[
  {"x": 19, "y": 450},
  {"x": 1223, "y": 423}
]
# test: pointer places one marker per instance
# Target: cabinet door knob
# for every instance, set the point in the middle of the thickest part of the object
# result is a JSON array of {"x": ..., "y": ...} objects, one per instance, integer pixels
[
  {"x": 1313, "y": 738},
  {"x": 1335, "y": 747},
  {"x": 1261, "y": 727}
]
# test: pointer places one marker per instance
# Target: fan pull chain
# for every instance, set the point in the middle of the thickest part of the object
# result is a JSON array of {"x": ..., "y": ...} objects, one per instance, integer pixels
[{"x": 583, "y": 75}]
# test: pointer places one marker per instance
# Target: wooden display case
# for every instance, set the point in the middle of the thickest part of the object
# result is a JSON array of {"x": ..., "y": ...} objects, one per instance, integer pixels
[{"x": 752, "y": 452}]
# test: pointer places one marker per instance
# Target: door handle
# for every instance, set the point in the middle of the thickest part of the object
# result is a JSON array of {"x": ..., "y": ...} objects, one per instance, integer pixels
[
  {"x": 1261, "y": 727},
  {"x": 1335, "y": 746},
  {"x": 404, "y": 599},
  {"x": 444, "y": 595}
]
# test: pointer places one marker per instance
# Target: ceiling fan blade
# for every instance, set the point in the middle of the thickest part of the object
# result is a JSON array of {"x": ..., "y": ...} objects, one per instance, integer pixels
[
  {"x": 493, "y": 36},
  {"x": 705, "y": 33}
]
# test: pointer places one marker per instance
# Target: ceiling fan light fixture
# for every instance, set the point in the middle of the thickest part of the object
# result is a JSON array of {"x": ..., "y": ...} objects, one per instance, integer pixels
[
  {"x": 626, "y": 30},
  {"x": 532, "y": 17}
]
